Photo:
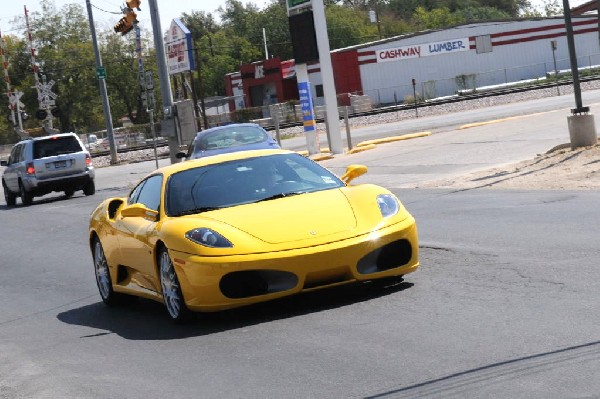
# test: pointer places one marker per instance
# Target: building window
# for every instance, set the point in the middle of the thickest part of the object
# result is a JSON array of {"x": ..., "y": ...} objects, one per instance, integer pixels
[
  {"x": 483, "y": 44},
  {"x": 319, "y": 91}
]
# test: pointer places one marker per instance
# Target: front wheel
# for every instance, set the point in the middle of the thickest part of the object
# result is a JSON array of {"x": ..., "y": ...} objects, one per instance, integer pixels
[
  {"x": 171, "y": 290},
  {"x": 102, "y": 271}
]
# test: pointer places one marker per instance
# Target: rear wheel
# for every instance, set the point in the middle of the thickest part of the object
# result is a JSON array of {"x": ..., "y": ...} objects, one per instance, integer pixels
[
  {"x": 89, "y": 188},
  {"x": 102, "y": 272},
  {"x": 171, "y": 290},
  {"x": 26, "y": 196},
  {"x": 69, "y": 193},
  {"x": 9, "y": 197}
]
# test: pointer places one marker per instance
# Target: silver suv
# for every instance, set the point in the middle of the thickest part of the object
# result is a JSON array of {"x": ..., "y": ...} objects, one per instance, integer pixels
[{"x": 41, "y": 165}]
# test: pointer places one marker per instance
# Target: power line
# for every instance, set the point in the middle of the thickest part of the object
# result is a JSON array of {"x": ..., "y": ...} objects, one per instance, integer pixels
[{"x": 109, "y": 12}]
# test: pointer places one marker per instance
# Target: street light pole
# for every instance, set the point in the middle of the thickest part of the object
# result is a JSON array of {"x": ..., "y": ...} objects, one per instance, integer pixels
[{"x": 102, "y": 83}]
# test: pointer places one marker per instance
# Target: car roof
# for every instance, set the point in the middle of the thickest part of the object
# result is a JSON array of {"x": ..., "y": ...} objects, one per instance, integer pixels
[
  {"x": 52, "y": 135},
  {"x": 226, "y": 127},
  {"x": 216, "y": 159}
]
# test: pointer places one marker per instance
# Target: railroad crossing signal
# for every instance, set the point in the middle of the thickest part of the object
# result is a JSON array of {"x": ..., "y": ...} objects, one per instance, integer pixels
[
  {"x": 15, "y": 100},
  {"x": 46, "y": 97}
]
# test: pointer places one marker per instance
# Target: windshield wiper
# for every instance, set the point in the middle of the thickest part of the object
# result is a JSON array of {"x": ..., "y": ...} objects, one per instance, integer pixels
[
  {"x": 281, "y": 195},
  {"x": 197, "y": 210}
]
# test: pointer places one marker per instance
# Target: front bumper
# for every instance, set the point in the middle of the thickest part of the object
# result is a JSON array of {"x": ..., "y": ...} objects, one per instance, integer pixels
[{"x": 218, "y": 283}]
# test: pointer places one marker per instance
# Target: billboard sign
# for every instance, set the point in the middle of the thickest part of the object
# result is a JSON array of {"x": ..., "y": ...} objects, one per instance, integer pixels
[{"x": 178, "y": 46}]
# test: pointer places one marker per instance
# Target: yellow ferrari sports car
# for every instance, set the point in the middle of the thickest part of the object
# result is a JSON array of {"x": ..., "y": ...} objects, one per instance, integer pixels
[{"x": 240, "y": 228}]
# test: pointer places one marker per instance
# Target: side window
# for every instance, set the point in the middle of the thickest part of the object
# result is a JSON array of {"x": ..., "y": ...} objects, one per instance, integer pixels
[
  {"x": 135, "y": 193},
  {"x": 16, "y": 154},
  {"x": 149, "y": 194}
]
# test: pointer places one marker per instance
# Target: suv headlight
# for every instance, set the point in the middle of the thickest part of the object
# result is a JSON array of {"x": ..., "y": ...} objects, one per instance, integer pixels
[
  {"x": 208, "y": 238},
  {"x": 388, "y": 205}
]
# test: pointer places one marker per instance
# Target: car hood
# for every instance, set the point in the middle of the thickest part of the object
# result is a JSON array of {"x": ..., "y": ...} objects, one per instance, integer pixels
[{"x": 300, "y": 217}]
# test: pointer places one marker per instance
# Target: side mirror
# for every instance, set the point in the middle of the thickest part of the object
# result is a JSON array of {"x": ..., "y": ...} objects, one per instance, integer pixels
[
  {"x": 139, "y": 211},
  {"x": 352, "y": 172}
]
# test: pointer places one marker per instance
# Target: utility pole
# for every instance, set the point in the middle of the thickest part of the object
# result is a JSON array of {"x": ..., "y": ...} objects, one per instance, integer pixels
[
  {"x": 101, "y": 74},
  {"x": 147, "y": 88},
  {"x": 201, "y": 86},
  {"x": 582, "y": 129},
  {"x": 168, "y": 123}
]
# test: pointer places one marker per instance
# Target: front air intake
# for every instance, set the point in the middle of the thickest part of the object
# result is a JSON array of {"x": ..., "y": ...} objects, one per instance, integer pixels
[
  {"x": 249, "y": 283},
  {"x": 394, "y": 254}
]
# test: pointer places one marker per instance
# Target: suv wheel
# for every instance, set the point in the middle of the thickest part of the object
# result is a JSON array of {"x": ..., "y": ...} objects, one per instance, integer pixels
[
  {"x": 26, "y": 196},
  {"x": 69, "y": 193},
  {"x": 9, "y": 197},
  {"x": 89, "y": 188}
]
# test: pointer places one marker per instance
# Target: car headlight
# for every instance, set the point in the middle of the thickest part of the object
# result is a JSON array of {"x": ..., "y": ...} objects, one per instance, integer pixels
[
  {"x": 208, "y": 238},
  {"x": 388, "y": 205}
]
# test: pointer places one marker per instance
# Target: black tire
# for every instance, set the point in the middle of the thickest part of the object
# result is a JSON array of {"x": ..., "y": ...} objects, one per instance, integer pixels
[
  {"x": 9, "y": 197},
  {"x": 89, "y": 188},
  {"x": 102, "y": 272},
  {"x": 26, "y": 196},
  {"x": 171, "y": 289},
  {"x": 69, "y": 193}
]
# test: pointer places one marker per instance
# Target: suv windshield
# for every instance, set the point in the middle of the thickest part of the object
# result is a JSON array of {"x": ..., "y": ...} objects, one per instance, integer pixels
[{"x": 55, "y": 146}]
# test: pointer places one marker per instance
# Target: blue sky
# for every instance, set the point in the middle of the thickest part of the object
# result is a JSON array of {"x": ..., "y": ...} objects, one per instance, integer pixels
[
  {"x": 168, "y": 9},
  {"x": 103, "y": 9}
]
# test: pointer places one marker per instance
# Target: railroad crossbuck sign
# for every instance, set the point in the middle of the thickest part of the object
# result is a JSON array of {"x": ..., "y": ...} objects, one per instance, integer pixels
[
  {"x": 46, "y": 97},
  {"x": 14, "y": 99}
]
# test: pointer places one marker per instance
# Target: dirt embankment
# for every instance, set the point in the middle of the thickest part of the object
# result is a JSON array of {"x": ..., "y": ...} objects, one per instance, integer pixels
[{"x": 561, "y": 168}]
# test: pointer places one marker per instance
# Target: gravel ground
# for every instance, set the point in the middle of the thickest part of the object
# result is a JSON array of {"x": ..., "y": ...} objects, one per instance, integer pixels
[{"x": 144, "y": 155}]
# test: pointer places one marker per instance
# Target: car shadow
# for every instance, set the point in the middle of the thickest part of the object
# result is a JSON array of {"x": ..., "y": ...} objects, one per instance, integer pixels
[
  {"x": 141, "y": 319},
  {"x": 46, "y": 199}
]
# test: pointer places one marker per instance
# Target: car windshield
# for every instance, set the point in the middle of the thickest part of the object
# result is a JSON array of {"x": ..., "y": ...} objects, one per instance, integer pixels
[
  {"x": 245, "y": 181},
  {"x": 55, "y": 145},
  {"x": 228, "y": 137}
]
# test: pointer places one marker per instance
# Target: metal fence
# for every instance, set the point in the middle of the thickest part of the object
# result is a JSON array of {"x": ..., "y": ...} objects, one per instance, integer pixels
[{"x": 449, "y": 86}]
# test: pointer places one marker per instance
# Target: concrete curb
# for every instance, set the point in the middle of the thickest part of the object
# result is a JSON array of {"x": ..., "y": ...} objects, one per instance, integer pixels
[
  {"x": 362, "y": 148},
  {"x": 394, "y": 138}
]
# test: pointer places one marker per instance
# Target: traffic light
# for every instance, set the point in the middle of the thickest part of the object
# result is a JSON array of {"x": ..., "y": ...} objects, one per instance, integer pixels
[
  {"x": 131, "y": 4},
  {"x": 125, "y": 24}
]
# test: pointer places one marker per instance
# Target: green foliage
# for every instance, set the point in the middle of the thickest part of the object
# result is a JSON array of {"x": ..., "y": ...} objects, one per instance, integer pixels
[
  {"x": 348, "y": 27},
  {"x": 436, "y": 18},
  {"x": 472, "y": 14}
]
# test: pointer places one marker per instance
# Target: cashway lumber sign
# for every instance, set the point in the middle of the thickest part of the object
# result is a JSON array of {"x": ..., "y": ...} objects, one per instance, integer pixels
[{"x": 423, "y": 50}]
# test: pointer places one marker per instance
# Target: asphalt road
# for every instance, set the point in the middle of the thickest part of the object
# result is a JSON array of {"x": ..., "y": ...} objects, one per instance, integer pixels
[{"x": 503, "y": 306}]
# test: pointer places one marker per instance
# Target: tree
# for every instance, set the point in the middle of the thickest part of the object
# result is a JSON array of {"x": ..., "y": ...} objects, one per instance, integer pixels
[
  {"x": 348, "y": 27},
  {"x": 437, "y": 18}
]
